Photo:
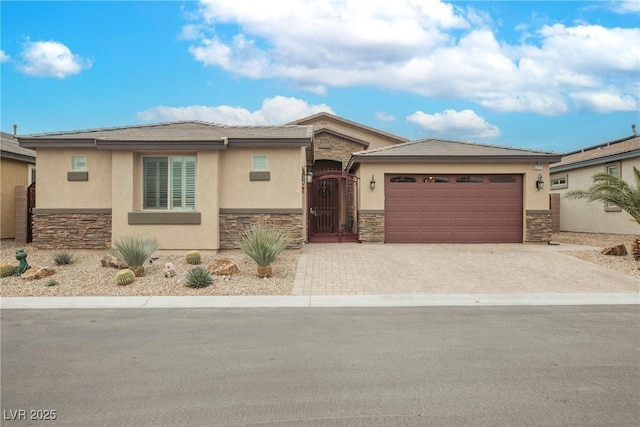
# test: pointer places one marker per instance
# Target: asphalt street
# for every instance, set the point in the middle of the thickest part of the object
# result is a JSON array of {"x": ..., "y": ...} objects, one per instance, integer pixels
[{"x": 436, "y": 366}]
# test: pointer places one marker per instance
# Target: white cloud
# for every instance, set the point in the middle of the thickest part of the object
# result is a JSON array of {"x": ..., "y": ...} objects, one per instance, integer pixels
[
  {"x": 274, "y": 111},
  {"x": 605, "y": 101},
  {"x": 4, "y": 57},
  {"x": 50, "y": 59},
  {"x": 465, "y": 124},
  {"x": 385, "y": 117},
  {"x": 429, "y": 48},
  {"x": 625, "y": 6}
]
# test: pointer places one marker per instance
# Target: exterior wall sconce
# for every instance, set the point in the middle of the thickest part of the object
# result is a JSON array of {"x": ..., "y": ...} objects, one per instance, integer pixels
[
  {"x": 372, "y": 183},
  {"x": 309, "y": 174},
  {"x": 539, "y": 183}
]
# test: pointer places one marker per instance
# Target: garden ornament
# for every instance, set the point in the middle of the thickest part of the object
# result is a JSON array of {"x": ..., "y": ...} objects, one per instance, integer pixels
[
  {"x": 21, "y": 256},
  {"x": 169, "y": 269}
]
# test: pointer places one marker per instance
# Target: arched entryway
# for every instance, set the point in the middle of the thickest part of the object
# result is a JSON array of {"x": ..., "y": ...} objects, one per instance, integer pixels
[{"x": 333, "y": 210}]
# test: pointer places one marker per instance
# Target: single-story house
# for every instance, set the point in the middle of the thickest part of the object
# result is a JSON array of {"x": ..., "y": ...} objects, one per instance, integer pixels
[
  {"x": 575, "y": 171},
  {"x": 196, "y": 185},
  {"x": 18, "y": 166},
  {"x": 191, "y": 185}
]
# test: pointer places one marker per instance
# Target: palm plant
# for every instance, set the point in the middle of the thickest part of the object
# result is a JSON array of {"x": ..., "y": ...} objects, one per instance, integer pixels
[
  {"x": 609, "y": 188},
  {"x": 263, "y": 244},
  {"x": 135, "y": 251}
]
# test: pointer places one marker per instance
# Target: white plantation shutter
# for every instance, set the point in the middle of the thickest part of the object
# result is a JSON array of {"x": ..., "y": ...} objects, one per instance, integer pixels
[
  {"x": 183, "y": 183},
  {"x": 171, "y": 187},
  {"x": 156, "y": 175}
]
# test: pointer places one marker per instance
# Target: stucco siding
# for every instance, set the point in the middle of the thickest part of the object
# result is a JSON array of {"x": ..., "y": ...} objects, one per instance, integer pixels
[
  {"x": 283, "y": 190},
  {"x": 56, "y": 191},
  {"x": 580, "y": 216}
]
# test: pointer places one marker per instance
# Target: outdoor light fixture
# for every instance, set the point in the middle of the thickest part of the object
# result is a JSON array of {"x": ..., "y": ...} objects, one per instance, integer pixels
[
  {"x": 372, "y": 183},
  {"x": 539, "y": 183},
  {"x": 309, "y": 174}
]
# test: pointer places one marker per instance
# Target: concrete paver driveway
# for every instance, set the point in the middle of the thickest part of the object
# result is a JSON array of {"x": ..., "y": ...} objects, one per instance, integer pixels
[{"x": 377, "y": 269}]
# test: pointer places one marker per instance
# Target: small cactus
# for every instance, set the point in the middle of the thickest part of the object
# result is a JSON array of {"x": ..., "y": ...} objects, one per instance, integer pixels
[
  {"x": 193, "y": 257},
  {"x": 7, "y": 269},
  {"x": 125, "y": 277}
]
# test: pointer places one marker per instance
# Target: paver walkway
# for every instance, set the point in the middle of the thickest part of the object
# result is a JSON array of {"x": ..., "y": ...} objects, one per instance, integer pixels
[{"x": 383, "y": 269}]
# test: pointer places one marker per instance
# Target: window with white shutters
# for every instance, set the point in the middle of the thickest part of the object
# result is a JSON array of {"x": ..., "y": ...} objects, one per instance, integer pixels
[{"x": 169, "y": 183}]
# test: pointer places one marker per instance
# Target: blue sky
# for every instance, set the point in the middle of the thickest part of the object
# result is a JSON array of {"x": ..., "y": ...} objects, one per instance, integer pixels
[{"x": 557, "y": 76}]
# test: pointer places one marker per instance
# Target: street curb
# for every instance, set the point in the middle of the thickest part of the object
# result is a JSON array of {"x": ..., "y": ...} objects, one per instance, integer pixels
[{"x": 321, "y": 301}]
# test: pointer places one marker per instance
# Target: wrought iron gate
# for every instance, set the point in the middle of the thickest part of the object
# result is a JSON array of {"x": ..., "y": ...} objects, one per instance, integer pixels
[{"x": 332, "y": 201}]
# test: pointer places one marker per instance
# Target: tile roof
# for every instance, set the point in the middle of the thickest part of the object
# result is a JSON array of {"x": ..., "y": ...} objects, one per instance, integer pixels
[
  {"x": 181, "y": 131},
  {"x": 329, "y": 116},
  {"x": 601, "y": 153},
  {"x": 450, "y": 151},
  {"x": 10, "y": 148}
]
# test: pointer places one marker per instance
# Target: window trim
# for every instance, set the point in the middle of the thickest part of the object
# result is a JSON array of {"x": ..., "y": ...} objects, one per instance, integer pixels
[
  {"x": 170, "y": 189},
  {"x": 610, "y": 207},
  {"x": 560, "y": 186}
]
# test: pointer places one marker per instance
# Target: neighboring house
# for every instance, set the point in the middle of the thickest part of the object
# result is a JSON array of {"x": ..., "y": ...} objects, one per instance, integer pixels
[
  {"x": 575, "y": 172},
  {"x": 18, "y": 167},
  {"x": 196, "y": 185}
]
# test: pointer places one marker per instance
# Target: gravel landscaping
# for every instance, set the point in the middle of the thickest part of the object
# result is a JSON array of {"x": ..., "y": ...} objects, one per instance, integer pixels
[
  {"x": 86, "y": 276},
  {"x": 622, "y": 264}
]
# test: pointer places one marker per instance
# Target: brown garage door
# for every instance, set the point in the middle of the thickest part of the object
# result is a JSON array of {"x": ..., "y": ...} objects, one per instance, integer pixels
[{"x": 453, "y": 208}]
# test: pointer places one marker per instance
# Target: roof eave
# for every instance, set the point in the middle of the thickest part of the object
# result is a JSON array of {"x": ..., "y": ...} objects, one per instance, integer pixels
[
  {"x": 596, "y": 161},
  {"x": 108, "y": 144},
  {"x": 270, "y": 142},
  {"x": 56, "y": 143},
  {"x": 19, "y": 157}
]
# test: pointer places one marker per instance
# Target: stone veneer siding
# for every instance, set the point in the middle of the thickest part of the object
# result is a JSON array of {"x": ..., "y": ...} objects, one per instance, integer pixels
[
  {"x": 234, "y": 222},
  {"x": 72, "y": 230},
  {"x": 371, "y": 226},
  {"x": 336, "y": 148},
  {"x": 539, "y": 226}
]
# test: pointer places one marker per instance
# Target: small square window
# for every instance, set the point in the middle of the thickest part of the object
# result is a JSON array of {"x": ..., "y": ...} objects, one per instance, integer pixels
[
  {"x": 79, "y": 163},
  {"x": 614, "y": 170},
  {"x": 260, "y": 164}
]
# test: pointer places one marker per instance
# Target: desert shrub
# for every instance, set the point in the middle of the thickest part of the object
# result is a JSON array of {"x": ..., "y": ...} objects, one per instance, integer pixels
[
  {"x": 263, "y": 244},
  {"x": 52, "y": 282},
  {"x": 63, "y": 257},
  {"x": 135, "y": 250},
  {"x": 198, "y": 277}
]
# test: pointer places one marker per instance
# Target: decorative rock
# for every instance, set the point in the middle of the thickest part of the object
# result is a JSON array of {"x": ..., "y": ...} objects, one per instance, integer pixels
[
  {"x": 35, "y": 273},
  {"x": 619, "y": 250},
  {"x": 223, "y": 267},
  {"x": 113, "y": 262}
]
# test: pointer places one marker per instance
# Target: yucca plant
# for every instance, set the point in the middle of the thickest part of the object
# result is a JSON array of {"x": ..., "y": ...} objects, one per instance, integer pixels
[
  {"x": 63, "y": 257},
  {"x": 263, "y": 244},
  {"x": 135, "y": 251},
  {"x": 198, "y": 277}
]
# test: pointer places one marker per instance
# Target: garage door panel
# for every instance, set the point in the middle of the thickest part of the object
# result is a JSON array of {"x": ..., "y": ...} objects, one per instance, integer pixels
[{"x": 456, "y": 211}]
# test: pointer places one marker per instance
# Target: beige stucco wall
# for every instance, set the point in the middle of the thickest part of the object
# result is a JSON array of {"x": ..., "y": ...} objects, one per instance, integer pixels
[
  {"x": 282, "y": 191},
  {"x": 373, "y": 200},
  {"x": 127, "y": 192},
  {"x": 12, "y": 173},
  {"x": 578, "y": 216},
  {"x": 55, "y": 191}
]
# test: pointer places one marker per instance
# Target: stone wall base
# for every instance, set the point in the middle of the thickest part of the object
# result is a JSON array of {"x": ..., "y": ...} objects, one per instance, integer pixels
[
  {"x": 371, "y": 227},
  {"x": 232, "y": 225},
  {"x": 72, "y": 230},
  {"x": 539, "y": 227}
]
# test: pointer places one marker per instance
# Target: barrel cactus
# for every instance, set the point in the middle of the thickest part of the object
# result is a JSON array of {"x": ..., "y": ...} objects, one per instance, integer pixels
[
  {"x": 125, "y": 277},
  {"x": 7, "y": 269},
  {"x": 193, "y": 257}
]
